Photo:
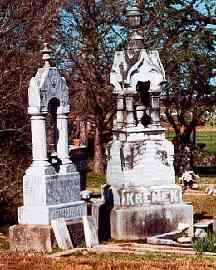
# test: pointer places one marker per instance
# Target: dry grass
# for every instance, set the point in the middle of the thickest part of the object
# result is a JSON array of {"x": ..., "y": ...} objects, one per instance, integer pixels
[
  {"x": 18, "y": 261},
  {"x": 203, "y": 206}
]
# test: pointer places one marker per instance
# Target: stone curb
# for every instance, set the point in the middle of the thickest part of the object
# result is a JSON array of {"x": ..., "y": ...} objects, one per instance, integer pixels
[{"x": 136, "y": 249}]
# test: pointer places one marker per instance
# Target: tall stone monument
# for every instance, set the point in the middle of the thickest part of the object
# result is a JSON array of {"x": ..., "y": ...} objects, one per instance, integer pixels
[
  {"x": 140, "y": 160},
  {"x": 49, "y": 191}
]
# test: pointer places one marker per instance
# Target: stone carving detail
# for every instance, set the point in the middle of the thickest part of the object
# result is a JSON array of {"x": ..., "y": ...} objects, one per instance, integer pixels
[
  {"x": 54, "y": 86},
  {"x": 43, "y": 88}
]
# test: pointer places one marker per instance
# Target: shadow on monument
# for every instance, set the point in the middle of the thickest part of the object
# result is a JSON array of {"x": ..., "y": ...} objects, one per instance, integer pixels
[{"x": 104, "y": 227}]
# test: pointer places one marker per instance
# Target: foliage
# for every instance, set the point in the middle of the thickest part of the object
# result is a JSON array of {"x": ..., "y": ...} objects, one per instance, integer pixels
[
  {"x": 205, "y": 140},
  {"x": 188, "y": 53},
  {"x": 209, "y": 117},
  {"x": 205, "y": 244},
  {"x": 95, "y": 181},
  {"x": 91, "y": 31},
  {"x": 87, "y": 41},
  {"x": 24, "y": 25}
]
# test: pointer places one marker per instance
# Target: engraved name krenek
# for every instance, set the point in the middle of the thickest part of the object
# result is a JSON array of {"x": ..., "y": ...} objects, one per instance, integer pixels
[{"x": 130, "y": 198}]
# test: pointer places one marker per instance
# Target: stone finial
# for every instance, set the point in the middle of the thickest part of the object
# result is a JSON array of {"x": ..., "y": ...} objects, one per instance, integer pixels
[
  {"x": 46, "y": 55},
  {"x": 134, "y": 16}
]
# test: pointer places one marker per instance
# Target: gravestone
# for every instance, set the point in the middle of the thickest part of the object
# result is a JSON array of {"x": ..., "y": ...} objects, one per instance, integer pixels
[
  {"x": 61, "y": 233},
  {"x": 140, "y": 160},
  {"x": 50, "y": 190},
  {"x": 90, "y": 231}
]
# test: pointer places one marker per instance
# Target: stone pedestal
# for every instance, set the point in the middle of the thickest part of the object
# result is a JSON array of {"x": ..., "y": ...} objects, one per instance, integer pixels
[
  {"x": 145, "y": 197},
  {"x": 40, "y": 238},
  {"x": 30, "y": 238},
  {"x": 146, "y": 211},
  {"x": 48, "y": 195}
]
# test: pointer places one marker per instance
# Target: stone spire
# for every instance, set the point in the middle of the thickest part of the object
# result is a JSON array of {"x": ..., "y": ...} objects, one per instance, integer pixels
[
  {"x": 134, "y": 20},
  {"x": 46, "y": 55},
  {"x": 134, "y": 16}
]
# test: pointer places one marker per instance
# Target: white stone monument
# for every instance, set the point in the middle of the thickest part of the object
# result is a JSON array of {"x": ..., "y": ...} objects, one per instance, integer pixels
[
  {"x": 49, "y": 192},
  {"x": 140, "y": 160}
]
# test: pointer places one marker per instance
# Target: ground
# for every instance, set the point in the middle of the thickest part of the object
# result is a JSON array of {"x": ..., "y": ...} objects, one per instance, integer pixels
[
  {"x": 150, "y": 261},
  {"x": 204, "y": 206}
]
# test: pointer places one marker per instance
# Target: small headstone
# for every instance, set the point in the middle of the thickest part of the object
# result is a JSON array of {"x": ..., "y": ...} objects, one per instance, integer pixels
[
  {"x": 202, "y": 228},
  {"x": 90, "y": 231},
  {"x": 61, "y": 233}
]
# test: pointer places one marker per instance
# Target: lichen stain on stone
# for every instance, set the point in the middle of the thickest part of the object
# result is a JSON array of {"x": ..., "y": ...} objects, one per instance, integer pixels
[{"x": 152, "y": 224}]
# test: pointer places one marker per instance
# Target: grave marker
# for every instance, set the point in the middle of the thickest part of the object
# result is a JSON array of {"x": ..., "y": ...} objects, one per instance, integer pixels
[
  {"x": 90, "y": 232},
  {"x": 61, "y": 233},
  {"x": 140, "y": 169}
]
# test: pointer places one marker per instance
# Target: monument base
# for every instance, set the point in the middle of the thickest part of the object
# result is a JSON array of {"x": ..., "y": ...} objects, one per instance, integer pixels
[
  {"x": 40, "y": 238},
  {"x": 137, "y": 223},
  {"x": 44, "y": 214}
]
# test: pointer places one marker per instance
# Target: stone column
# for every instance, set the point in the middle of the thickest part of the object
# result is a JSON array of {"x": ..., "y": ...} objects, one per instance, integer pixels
[
  {"x": 155, "y": 105},
  {"x": 39, "y": 143},
  {"x": 130, "y": 111},
  {"x": 62, "y": 129},
  {"x": 120, "y": 111},
  {"x": 139, "y": 114}
]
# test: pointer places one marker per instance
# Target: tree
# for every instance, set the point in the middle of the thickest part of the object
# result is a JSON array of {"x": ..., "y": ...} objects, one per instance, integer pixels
[
  {"x": 185, "y": 36},
  {"x": 87, "y": 38},
  {"x": 24, "y": 26},
  {"x": 178, "y": 29}
]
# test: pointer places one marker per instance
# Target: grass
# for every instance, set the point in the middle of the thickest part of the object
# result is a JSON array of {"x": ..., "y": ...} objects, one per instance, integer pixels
[
  {"x": 208, "y": 138},
  {"x": 202, "y": 182},
  {"x": 203, "y": 136},
  {"x": 203, "y": 206},
  {"x": 4, "y": 244},
  {"x": 95, "y": 181},
  {"x": 205, "y": 244},
  {"x": 150, "y": 261}
]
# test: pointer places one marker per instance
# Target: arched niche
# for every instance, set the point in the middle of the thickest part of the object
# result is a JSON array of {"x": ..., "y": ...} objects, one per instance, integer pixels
[
  {"x": 143, "y": 103},
  {"x": 51, "y": 124},
  {"x": 49, "y": 100}
]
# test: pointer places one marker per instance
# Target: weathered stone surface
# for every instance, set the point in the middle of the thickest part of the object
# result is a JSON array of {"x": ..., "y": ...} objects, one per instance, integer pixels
[
  {"x": 90, "y": 231},
  {"x": 43, "y": 215},
  {"x": 138, "y": 223},
  {"x": 204, "y": 227},
  {"x": 184, "y": 240},
  {"x": 145, "y": 163},
  {"x": 141, "y": 196},
  {"x": 51, "y": 189},
  {"x": 71, "y": 211},
  {"x": 140, "y": 167},
  {"x": 40, "y": 238},
  {"x": 61, "y": 233},
  {"x": 46, "y": 85},
  {"x": 79, "y": 157},
  {"x": 158, "y": 241},
  {"x": 62, "y": 188},
  {"x": 30, "y": 237}
]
